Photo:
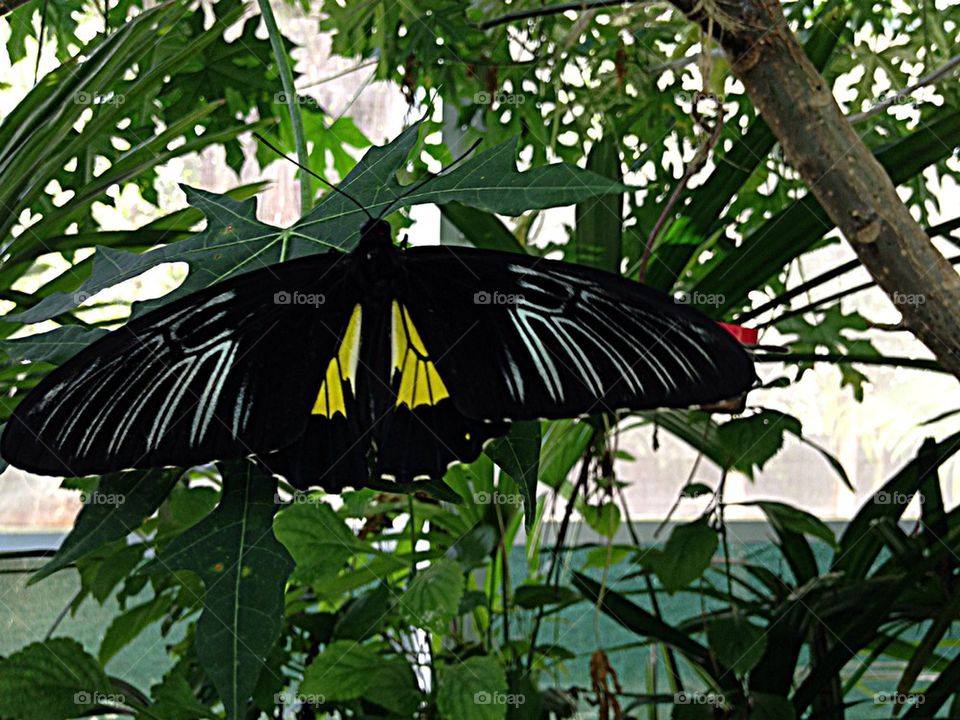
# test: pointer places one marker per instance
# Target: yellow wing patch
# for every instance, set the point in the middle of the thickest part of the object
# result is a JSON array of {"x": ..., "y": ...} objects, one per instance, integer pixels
[
  {"x": 341, "y": 370},
  {"x": 420, "y": 383}
]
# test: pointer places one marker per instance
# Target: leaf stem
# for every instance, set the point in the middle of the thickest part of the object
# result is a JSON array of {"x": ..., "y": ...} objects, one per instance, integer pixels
[{"x": 290, "y": 93}]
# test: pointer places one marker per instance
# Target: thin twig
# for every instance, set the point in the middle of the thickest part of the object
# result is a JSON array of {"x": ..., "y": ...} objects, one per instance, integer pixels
[
  {"x": 692, "y": 169},
  {"x": 839, "y": 358},
  {"x": 296, "y": 120},
  {"x": 672, "y": 666},
  {"x": 561, "y": 535},
  {"x": 928, "y": 79},
  {"x": 941, "y": 230},
  {"x": 550, "y": 10},
  {"x": 338, "y": 75}
]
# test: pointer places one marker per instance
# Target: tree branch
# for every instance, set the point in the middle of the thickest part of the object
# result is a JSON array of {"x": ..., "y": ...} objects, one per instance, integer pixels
[
  {"x": 841, "y": 172},
  {"x": 548, "y": 10},
  {"x": 928, "y": 79}
]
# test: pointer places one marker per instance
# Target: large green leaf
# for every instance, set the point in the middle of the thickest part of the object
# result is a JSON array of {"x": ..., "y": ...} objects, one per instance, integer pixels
[
  {"x": 316, "y": 538},
  {"x": 235, "y": 241},
  {"x": 599, "y": 220},
  {"x": 53, "y": 347},
  {"x": 129, "y": 624},
  {"x": 686, "y": 555},
  {"x": 641, "y": 621},
  {"x": 118, "y": 506},
  {"x": 475, "y": 689},
  {"x": 244, "y": 571},
  {"x": 433, "y": 598},
  {"x": 737, "y": 643},
  {"x": 53, "y": 680},
  {"x": 518, "y": 455},
  {"x": 345, "y": 670},
  {"x": 859, "y": 547}
]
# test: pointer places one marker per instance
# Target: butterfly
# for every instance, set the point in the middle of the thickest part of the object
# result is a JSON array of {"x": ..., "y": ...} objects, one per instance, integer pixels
[{"x": 382, "y": 362}]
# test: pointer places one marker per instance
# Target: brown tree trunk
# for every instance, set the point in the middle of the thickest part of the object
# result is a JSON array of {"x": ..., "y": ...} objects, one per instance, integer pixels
[{"x": 841, "y": 172}]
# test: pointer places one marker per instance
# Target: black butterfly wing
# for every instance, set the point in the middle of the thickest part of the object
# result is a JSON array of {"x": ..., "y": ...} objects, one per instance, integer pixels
[
  {"x": 521, "y": 338},
  {"x": 226, "y": 372}
]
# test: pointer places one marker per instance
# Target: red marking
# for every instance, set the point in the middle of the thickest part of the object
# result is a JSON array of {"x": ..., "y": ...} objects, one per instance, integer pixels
[{"x": 745, "y": 335}]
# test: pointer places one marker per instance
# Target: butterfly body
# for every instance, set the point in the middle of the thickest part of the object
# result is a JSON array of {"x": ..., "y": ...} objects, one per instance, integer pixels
[{"x": 381, "y": 361}]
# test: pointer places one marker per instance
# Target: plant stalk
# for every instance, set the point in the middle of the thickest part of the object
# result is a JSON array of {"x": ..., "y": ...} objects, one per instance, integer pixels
[{"x": 293, "y": 107}]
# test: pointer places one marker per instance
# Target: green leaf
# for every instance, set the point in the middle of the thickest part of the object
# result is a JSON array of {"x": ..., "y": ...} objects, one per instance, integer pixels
[
  {"x": 316, "y": 538},
  {"x": 55, "y": 346},
  {"x": 345, "y": 670},
  {"x": 490, "y": 181},
  {"x": 173, "y": 698},
  {"x": 433, "y": 598},
  {"x": 642, "y": 622},
  {"x": 686, "y": 555},
  {"x": 127, "y": 626},
  {"x": 785, "y": 516},
  {"x": 244, "y": 571},
  {"x": 735, "y": 167},
  {"x": 475, "y": 689},
  {"x": 518, "y": 455},
  {"x": 694, "y": 490},
  {"x": 53, "y": 680},
  {"x": 235, "y": 241},
  {"x": 599, "y": 223},
  {"x": 751, "y": 441},
  {"x": 802, "y": 224},
  {"x": 396, "y": 688},
  {"x": 481, "y": 229},
  {"x": 603, "y": 519},
  {"x": 138, "y": 494},
  {"x": 563, "y": 444},
  {"x": 364, "y": 615},
  {"x": 771, "y": 707},
  {"x": 530, "y": 597},
  {"x": 859, "y": 545},
  {"x": 737, "y": 643}
]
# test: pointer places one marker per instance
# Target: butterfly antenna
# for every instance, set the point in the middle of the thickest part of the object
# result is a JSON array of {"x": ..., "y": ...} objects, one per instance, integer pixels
[
  {"x": 433, "y": 176},
  {"x": 326, "y": 182}
]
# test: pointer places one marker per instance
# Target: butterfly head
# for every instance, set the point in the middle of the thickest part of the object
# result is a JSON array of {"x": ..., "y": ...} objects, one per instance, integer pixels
[{"x": 374, "y": 238}]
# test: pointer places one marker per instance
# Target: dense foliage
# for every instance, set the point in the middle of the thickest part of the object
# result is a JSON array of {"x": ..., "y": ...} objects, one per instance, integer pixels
[{"x": 419, "y": 604}]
